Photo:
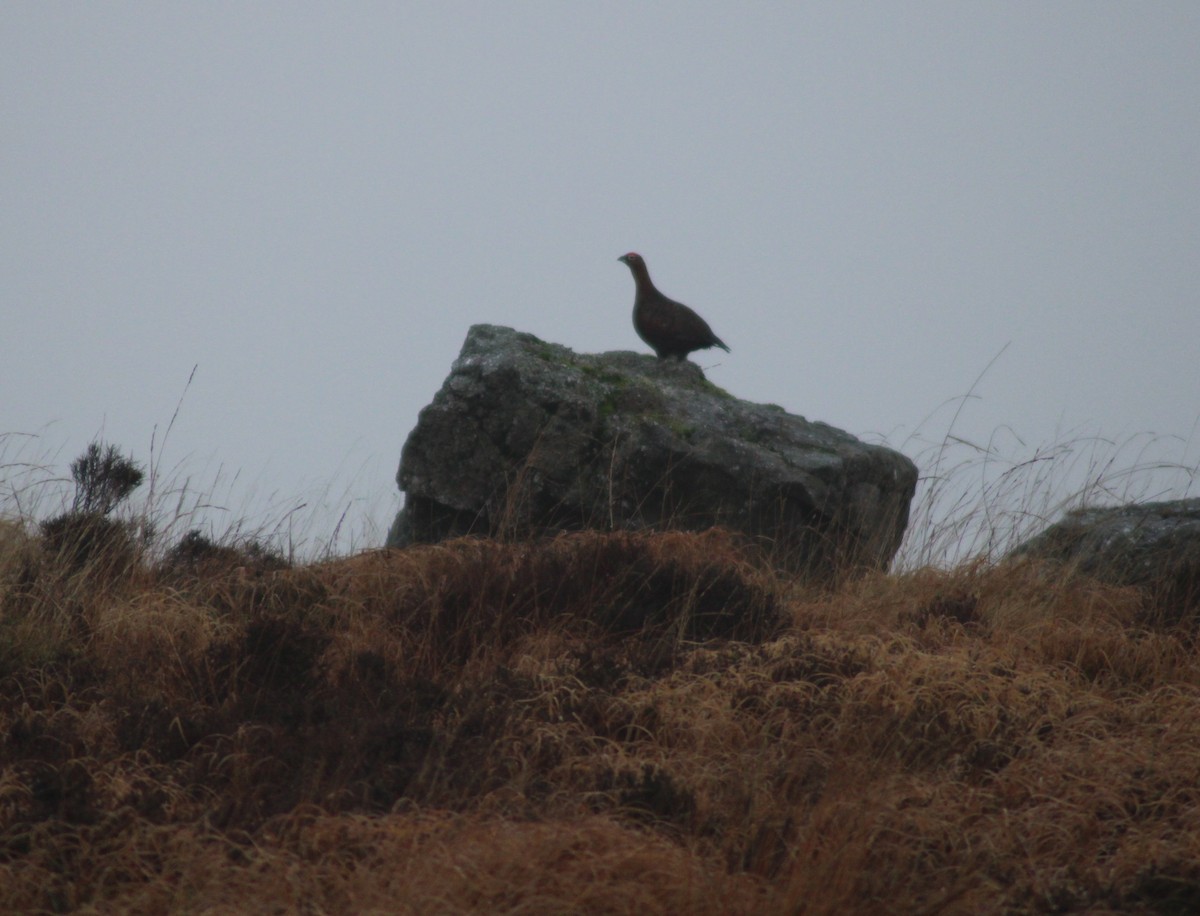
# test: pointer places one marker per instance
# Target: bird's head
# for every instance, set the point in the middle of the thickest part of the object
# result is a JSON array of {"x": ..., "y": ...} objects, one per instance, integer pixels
[{"x": 633, "y": 259}]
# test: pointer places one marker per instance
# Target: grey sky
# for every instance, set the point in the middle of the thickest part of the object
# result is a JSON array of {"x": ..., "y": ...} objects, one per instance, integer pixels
[{"x": 313, "y": 202}]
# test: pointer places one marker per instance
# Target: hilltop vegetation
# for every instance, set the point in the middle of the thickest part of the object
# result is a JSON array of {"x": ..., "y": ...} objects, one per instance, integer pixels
[{"x": 599, "y": 722}]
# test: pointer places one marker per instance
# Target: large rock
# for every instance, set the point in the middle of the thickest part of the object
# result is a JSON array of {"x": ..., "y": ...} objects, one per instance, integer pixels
[
  {"x": 1154, "y": 546},
  {"x": 527, "y": 437}
]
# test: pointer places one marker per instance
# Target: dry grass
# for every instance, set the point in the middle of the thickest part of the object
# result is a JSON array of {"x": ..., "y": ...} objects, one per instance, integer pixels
[{"x": 608, "y": 723}]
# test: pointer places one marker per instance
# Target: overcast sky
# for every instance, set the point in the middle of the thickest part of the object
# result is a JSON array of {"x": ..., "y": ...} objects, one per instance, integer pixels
[{"x": 312, "y": 202}]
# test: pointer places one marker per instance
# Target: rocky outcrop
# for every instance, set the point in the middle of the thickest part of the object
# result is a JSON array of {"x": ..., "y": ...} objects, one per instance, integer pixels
[
  {"x": 527, "y": 437},
  {"x": 1154, "y": 546}
]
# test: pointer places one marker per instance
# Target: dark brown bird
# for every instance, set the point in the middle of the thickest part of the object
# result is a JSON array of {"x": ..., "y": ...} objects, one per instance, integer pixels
[{"x": 669, "y": 327}]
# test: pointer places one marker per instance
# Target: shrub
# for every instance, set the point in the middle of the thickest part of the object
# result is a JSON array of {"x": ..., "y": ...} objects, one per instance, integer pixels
[{"x": 86, "y": 535}]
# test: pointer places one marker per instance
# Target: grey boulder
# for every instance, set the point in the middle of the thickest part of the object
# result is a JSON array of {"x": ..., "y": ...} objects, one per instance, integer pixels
[{"x": 527, "y": 438}]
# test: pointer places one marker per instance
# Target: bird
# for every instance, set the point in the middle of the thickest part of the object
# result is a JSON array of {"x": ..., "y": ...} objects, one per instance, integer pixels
[{"x": 669, "y": 327}]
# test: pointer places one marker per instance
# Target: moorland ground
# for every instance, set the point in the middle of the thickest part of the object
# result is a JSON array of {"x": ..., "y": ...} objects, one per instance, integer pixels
[{"x": 595, "y": 722}]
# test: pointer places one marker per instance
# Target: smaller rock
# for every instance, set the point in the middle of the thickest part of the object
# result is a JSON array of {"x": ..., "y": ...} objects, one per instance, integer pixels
[{"x": 1153, "y": 546}]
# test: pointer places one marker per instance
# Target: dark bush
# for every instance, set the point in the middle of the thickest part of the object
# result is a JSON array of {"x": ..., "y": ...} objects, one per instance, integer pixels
[
  {"x": 103, "y": 479},
  {"x": 85, "y": 536}
]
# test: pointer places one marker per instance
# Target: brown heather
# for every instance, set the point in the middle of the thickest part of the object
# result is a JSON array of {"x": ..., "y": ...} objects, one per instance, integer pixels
[{"x": 599, "y": 723}]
